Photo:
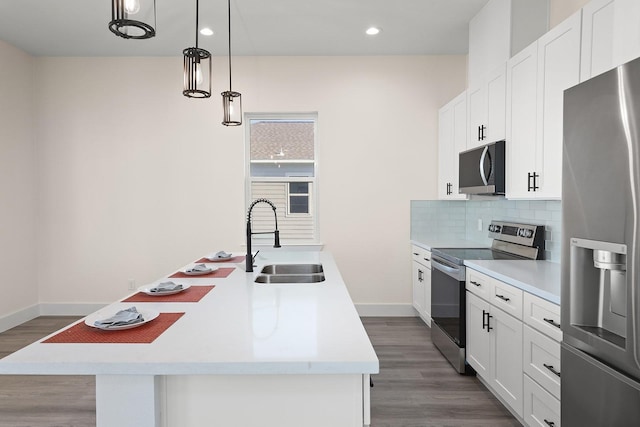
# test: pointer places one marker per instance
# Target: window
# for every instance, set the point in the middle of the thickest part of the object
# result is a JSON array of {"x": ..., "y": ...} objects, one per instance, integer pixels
[{"x": 282, "y": 167}]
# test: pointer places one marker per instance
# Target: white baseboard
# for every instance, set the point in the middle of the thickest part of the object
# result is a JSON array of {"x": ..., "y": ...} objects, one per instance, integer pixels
[
  {"x": 386, "y": 310},
  {"x": 16, "y": 318}
]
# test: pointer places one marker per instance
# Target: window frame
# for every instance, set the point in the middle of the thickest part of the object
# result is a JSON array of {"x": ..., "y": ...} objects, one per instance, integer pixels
[{"x": 314, "y": 180}]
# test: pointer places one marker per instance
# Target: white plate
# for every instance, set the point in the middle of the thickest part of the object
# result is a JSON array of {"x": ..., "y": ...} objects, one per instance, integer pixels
[
  {"x": 147, "y": 290},
  {"x": 147, "y": 315},
  {"x": 200, "y": 273},
  {"x": 212, "y": 259}
]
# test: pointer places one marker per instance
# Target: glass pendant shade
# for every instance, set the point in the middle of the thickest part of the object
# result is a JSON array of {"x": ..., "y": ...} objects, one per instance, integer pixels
[
  {"x": 197, "y": 73},
  {"x": 232, "y": 108},
  {"x": 133, "y": 19},
  {"x": 231, "y": 101}
]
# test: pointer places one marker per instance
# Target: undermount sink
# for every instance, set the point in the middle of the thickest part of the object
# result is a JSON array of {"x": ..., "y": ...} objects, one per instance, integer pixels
[
  {"x": 292, "y": 269},
  {"x": 290, "y": 278},
  {"x": 291, "y": 273}
]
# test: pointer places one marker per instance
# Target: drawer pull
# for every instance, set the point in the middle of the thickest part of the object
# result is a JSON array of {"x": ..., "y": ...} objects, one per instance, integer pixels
[
  {"x": 551, "y": 322},
  {"x": 427, "y": 259},
  {"x": 550, "y": 367},
  {"x": 502, "y": 297},
  {"x": 475, "y": 283},
  {"x": 416, "y": 254},
  {"x": 549, "y": 423}
]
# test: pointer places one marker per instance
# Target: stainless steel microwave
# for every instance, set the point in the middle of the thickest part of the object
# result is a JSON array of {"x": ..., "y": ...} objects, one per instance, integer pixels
[{"x": 482, "y": 170}]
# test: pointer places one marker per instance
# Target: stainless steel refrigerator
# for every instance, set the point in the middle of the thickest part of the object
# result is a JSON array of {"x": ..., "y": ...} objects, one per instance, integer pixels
[{"x": 600, "y": 356}]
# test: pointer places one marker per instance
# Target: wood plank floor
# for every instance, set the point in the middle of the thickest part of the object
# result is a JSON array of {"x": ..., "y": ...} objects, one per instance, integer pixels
[{"x": 416, "y": 386}]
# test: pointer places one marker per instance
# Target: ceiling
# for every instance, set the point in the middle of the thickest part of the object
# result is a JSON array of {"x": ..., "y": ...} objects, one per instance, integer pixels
[{"x": 259, "y": 27}]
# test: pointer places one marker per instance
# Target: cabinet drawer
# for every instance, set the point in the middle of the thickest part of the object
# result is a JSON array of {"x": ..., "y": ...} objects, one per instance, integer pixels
[
  {"x": 542, "y": 360},
  {"x": 480, "y": 284},
  {"x": 543, "y": 316},
  {"x": 508, "y": 298},
  {"x": 541, "y": 409},
  {"x": 421, "y": 255}
]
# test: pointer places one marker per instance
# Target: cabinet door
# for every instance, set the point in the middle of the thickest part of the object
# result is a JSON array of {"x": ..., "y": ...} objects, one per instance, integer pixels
[
  {"x": 597, "y": 38},
  {"x": 418, "y": 287},
  {"x": 507, "y": 358},
  {"x": 427, "y": 296},
  {"x": 452, "y": 140},
  {"x": 496, "y": 105},
  {"x": 626, "y": 31},
  {"x": 477, "y": 108},
  {"x": 478, "y": 337},
  {"x": 522, "y": 72},
  {"x": 558, "y": 69}
]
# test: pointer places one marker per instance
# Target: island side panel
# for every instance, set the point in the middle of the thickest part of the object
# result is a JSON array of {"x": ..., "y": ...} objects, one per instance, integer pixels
[
  {"x": 128, "y": 400},
  {"x": 266, "y": 400}
]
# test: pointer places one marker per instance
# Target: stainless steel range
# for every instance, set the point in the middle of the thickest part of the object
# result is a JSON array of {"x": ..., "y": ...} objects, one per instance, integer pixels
[{"x": 511, "y": 241}]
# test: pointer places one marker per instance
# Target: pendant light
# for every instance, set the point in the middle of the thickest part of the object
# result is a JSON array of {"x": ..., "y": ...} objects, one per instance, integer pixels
[
  {"x": 197, "y": 69},
  {"x": 231, "y": 101},
  {"x": 133, "y": 19}
]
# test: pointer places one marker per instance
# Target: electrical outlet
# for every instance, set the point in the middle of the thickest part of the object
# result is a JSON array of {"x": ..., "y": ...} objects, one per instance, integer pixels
[
  {"x": 132, "y": 284},
  {"x": 479, "y": 224}
]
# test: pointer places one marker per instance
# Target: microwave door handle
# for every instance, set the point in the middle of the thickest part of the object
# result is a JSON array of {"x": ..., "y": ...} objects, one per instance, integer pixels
[{"x": 483, "y": 157}]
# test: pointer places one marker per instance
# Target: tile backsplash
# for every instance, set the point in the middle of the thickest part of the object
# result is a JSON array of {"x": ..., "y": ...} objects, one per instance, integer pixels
[{"x": 438, "y": 220}]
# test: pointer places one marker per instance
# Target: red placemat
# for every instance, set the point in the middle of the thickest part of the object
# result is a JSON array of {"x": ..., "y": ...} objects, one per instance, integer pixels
[
  {"x": 220, "y": 273},
  {"x": 145, "y": 334},
  {"x": 192, "y": 294},
  {"x": 234, "y": 259}
]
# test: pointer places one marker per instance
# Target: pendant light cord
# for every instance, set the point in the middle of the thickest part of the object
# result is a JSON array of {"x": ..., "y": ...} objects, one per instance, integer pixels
[
  {"x": 197, "y": 10},
  {"x": 229, "y": 16}
]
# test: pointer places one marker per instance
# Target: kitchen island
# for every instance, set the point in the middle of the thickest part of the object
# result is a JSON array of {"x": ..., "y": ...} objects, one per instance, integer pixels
[{"x": 245, "y": 354}]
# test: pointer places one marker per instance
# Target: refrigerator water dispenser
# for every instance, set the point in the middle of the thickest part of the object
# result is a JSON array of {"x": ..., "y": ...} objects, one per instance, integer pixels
[{"x": 599, "y": 289}]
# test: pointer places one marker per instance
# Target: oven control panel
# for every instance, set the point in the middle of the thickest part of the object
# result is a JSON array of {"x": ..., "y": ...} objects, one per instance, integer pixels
[{"x": 522, "y": 234}]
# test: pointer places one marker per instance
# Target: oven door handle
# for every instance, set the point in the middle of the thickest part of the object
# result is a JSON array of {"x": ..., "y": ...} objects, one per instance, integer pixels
[{"x": 457, "y": 273}]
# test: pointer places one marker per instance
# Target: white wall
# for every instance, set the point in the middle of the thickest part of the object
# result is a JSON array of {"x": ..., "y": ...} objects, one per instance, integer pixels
[
  {"x": 18, "y": 261},
  {"x": 135, "y": 179}
]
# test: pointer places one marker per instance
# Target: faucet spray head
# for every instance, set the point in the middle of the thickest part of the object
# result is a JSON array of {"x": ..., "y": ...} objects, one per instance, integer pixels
[{"x": 276, "y": 243}]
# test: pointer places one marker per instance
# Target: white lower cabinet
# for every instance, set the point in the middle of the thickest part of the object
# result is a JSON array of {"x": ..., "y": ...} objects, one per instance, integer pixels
[
  {"x": 540, "y": 407},
  {"x": 494, "y": 349},
  {"x": 513, "y": 343},
  {"x": 421, "y": 273}
]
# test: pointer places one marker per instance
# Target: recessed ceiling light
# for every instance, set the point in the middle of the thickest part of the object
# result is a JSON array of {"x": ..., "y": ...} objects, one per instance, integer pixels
[
  {"x": 372, "y": 31},
  {"x": 206, "y": 31}
]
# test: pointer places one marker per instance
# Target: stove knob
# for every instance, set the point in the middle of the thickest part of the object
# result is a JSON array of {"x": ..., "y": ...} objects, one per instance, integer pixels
[
  {"x": 521, "y": 232},
  {"x": 528, "y": 233},
  {"x": 498, "y": 228},
  {"x": 492, "y": 228}
]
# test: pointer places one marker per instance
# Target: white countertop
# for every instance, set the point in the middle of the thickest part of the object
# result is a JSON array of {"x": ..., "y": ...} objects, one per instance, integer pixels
[
  {"x": 240, "y": 327},
  {"x": 540, "y": 278},
  {"x": 444, "y": 243}
]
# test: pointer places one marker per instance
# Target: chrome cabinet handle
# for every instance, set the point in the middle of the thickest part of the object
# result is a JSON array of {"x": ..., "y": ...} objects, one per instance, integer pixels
[
  {"x": 475, "y": 283},
  {"x": 550, "y": 367},
  {"x": 502, "y": 297},
  {"x": 551, "y": 322}
]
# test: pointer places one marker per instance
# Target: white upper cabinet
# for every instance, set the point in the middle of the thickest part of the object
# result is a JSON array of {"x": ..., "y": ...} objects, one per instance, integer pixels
[
  {"x": 597, "y": 38},
  {"x": 626, "y": 31},
  {"x": 452, "y": 140},
  {"x": 536, "y": 80},
  {"x": 486, "y": 105},
  {"x": 501, "y": 29}
]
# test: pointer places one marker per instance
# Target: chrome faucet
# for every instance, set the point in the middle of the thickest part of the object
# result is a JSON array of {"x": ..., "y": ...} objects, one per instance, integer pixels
[{"x": 276, "y": 233}]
